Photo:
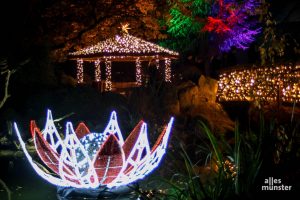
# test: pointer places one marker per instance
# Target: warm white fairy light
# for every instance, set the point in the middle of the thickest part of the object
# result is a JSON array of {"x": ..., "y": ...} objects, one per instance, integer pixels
[
  {"x": 167, "y": 70},
  {"x": 124, "y": 44},
  {"x": 75, "y": 165},
  {"x": 265, "y": 84},
  {"x": 108, "y": 84},
  {"x": 157, "y": 62},
  {"x": 97, "y": 71},
  {"x": 79, "y": 71},
  {"x": 138, "y": 71}
]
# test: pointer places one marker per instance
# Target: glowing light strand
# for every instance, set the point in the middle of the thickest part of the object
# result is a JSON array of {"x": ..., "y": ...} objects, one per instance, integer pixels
[
  {"x": 76, "y": 167},
  {"x": 124, "y": 44},
  {"x": 138, "y": 71},
  {"x": 168, "y": 73},
  {"x": 97, "y": 70},
  {"x": 108, "y": 84},
  {"x": 51, "y": 134},
  {"x": 264, "y": 84},
  {"x": 157, "y": 63},
  {"x": 79, "y": 71}
]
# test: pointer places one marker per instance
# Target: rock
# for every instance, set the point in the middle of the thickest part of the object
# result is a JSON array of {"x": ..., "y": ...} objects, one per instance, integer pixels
[
  {"x": 188, "y": 97},
  {"x": 171, "y": 102},
  {"x": 200, "y": 101},
  {"x": 208, "y": 88}
]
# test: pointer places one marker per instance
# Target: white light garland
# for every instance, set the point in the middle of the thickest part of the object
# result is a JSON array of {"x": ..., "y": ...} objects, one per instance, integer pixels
[
  {"x": 168, "y": 73},
  {"x": 78, "y": 165},
  {"x": 138, "y": 71},
  {"x": 79, "y": 71},
  {"x": 108, "y": 84},
  {"x": 97, "y": 71}
]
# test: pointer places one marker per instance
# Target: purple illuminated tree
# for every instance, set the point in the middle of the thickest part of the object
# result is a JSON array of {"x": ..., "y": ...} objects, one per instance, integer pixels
[{"x": 230, "y": 23}]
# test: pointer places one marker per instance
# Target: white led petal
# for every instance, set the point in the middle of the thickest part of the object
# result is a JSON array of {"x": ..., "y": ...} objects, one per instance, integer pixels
[
  {"x": 50, "y": 133},
  {"x": 113, "y": 128}
]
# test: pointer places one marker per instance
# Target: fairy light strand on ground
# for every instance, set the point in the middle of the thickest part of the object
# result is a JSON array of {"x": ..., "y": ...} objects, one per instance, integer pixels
[{"x": 264, "y": 84}]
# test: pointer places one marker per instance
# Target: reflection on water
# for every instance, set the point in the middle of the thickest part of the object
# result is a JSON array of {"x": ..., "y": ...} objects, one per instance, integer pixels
[
  {"x": 120, "y": 193},
  {"x": 25, "y": 184}
]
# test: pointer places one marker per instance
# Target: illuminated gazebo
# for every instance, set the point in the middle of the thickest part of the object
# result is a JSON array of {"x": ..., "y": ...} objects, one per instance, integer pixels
[{"x": 122, "y": 48}]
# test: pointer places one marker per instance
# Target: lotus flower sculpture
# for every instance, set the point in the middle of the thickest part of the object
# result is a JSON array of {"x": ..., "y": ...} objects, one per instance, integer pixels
[{"x": 83, "y": 159}]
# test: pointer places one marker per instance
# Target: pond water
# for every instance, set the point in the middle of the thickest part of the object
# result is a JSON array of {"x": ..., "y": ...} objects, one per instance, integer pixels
[{"x": 25, "y": 184}]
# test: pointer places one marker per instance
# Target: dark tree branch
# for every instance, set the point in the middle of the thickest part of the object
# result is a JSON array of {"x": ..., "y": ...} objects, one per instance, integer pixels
[{"x": 8, "y": 73}]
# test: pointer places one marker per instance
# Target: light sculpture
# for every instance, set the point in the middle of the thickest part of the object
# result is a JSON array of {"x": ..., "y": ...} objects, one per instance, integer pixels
[
  {"x": 122, "y": 48},
  {"x": 83, "y": 159}
]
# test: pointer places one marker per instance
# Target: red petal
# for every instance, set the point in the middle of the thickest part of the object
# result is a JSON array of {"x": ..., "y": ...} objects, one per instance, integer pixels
[
  {"x": 81, "y": 130},
  {"x": 132, "y": 139},
  {"x": 159, "y": 140},
  {"x": 33, "y": 126},
  {"x": 129, "y": 144},
  {"x": 47, "y": 155},
  {"x": 45, "y": 152},
  {"x": 109, "y": 161}
]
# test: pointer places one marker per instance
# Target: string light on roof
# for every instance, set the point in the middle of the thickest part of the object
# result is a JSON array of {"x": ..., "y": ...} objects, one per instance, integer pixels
[
  {"x": 97, "y": 70},
  {"x": 124, "y": 44},
  {"x": 86, "y": 159},
  {"x": 79, "y": 71},
  {"x": 138, "y": 72},
  {"x": 108, "y": 84}
]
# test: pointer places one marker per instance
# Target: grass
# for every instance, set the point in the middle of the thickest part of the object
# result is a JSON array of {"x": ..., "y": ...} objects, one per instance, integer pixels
[{"x": 230, "y": 172}]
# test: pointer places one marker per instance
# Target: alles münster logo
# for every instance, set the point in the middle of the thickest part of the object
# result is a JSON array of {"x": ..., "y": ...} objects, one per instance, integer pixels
[{"x": 275, "y": 184}]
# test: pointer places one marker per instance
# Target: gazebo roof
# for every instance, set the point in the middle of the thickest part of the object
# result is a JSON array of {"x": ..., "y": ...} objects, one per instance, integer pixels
[{"x": 124, "y": 47}]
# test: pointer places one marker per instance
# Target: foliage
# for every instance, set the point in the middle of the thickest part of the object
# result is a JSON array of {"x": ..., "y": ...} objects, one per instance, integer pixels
[
  {"x": 72, "y": 24},
  {"x": 6, "y": 72},
  {"x": 229, "y": 23},
  {"x": 230, "y": 170},
  {"x": 276, "y": 45}
]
